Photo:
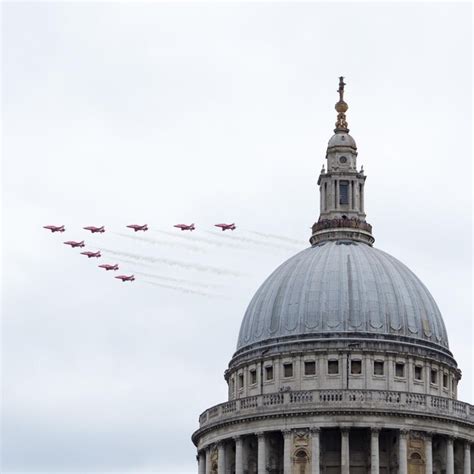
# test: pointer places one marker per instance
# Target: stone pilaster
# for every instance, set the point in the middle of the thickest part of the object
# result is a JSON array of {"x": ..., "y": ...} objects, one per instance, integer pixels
[
  {"x": 449, "y": 455},
  {"x": 428, "y": 453},
  {"x": 201, "y": 462},
  {"x": 467, "y": 457},
  {"x": 345, "y": 451},
  {"x": 402, "y": 452},
  {"x": 287, "y": 439},
  {"x": 239, "y": 455},
  {"x": 374, "y": 451},
  {"x": 221, "y": 458},
  {"x": 316, "y": 451},
  {"x": 262, "y": 453},
  {"x": 208, "y": 460}
]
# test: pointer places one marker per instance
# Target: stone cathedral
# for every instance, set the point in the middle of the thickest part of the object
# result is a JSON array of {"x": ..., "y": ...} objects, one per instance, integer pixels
[{"x": 342, "y": 363}]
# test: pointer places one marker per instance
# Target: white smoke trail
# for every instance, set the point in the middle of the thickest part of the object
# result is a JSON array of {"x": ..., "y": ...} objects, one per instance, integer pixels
[
  {"x": 199, "y": 239},
  {"x": 178, "y": 280},
  {"x": 152, "y": 241},
  {"x": 251, "y": 241},
  {"x": 180, "y": 289},
  {"x": 277, "y": 237},
  {"x": 175, "y": 263}
]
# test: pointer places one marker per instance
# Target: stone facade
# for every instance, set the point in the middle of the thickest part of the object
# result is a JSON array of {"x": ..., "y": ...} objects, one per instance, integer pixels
[{"x": 369, "y": 387}]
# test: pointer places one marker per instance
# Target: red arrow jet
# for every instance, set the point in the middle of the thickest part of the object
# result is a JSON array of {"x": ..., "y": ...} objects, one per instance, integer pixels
[
  {"x": 92, "y": 254},
  {"x": 137, "y": 227},
  {"x": 54, "y": 228},
  {"x": 109, "y": 267},
  {"x": 94, "y": 229},
  {"x": 185, "y": 227},
  {"x": 226, "y": 226},
  {"x": 126, "y": 278},
  {"x": 74, "y": 244}
]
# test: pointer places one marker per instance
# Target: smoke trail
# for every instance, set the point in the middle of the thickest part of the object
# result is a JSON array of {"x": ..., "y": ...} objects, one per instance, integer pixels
[
  {"x": 181, "y": 289},
  {"x": 199, "y": 239},
  {"x": 178, "y": 280},
  {"x": 251, "y": 241},
  {"x": 277, "y": 237},
  {"x": 175, "y": 263},
  {"x": 160, "y": 242}
]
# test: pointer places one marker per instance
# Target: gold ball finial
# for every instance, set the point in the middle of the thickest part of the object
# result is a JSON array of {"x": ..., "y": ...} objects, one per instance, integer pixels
[{"x": 341, "y": 109}]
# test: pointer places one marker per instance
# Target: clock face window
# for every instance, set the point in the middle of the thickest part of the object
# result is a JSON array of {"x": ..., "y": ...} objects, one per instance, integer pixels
[{"x": 342, "y": 159}]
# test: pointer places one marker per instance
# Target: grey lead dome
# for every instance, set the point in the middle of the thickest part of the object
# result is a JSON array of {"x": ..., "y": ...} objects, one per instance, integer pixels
[{"x": 342, "y": 287}]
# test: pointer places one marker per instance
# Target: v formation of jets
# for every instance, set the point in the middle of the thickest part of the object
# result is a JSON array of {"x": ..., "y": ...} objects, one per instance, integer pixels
[{"x": 135, "y": 227}]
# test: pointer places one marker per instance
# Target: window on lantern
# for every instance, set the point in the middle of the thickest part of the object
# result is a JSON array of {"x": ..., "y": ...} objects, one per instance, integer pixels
[{"x": 343, "y": 192}]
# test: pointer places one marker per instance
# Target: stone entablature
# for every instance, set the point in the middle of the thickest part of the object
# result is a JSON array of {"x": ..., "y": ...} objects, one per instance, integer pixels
[{"x": 339, "y": 401}]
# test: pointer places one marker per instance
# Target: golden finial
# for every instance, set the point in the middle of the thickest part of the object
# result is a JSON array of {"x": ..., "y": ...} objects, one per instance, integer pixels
[{"x": 341, "y": 109}]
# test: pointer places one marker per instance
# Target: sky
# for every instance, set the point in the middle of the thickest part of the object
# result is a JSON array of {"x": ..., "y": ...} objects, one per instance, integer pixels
[{"x": 159, "y": 113}]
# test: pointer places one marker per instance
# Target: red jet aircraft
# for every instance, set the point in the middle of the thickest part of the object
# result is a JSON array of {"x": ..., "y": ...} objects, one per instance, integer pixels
[
  {"x": 185, "y": 227},
  {"x": 137, "y": 227},
  {"x": 74, "y": 244},
  {"x": 226, "y": 226},
  {"x": 126, "y": 278},
  {"x": 94, "y": 229},
  {"x": 92, "y": 254},
  {"x": 109, "y": 267},
  {"x": 54, "y": 228}
]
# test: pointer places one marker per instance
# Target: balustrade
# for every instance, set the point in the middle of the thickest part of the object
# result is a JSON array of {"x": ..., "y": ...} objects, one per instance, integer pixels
[{"x": 341, "y": 398}]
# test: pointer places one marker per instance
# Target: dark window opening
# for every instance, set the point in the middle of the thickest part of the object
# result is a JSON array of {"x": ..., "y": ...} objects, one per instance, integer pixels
[
  {"x": 445, "y": 380},
  {"x": 241, "y": 380},
  {"x": 399, "y": 369},
  {"x": 356, "y": 367},
  {"x": 378, "y": 367},
  {"x": 269, "y": 373},
  {"x": 310, "y": 368},
  {"x": 434, "y": 376},
  {"x": 343, "y": 192},
  {"x": 253, "y": 376},
  {"x": 418, "y": 372},
  {"x": 333, "y": 367},
  {"x": 287, "y": 370}
]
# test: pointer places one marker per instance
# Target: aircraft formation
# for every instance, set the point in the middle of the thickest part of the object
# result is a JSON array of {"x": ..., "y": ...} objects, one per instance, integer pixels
[{"x": 135, "y": 227}]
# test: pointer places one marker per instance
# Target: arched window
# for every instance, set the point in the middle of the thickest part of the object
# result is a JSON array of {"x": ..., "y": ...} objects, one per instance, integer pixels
[{"x": 301, "y": 460}]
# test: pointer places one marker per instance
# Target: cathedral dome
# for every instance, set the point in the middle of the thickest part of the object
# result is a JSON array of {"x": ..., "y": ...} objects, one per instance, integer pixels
[
  {"x": 342, "y": 139},
  {"x": 339, "y": 289}
]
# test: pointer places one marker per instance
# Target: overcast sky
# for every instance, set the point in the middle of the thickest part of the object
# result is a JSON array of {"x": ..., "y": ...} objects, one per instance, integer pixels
[{"x": 163, "y": 113}]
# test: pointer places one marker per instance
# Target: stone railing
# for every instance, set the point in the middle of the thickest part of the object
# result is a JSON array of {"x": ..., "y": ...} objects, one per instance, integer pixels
[
  {"x": 320, "y": 400},
  {"x": 342, "y": 223}
]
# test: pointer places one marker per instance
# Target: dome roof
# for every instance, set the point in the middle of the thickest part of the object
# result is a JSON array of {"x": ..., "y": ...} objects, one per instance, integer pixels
[
  {"x": 342, "y": 287},
  {"x": 342, "y": 139}
]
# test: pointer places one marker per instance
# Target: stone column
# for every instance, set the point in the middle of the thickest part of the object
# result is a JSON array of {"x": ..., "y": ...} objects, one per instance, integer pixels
[
  {"x": 374, "y": 451},
  {"x": 261, "y": 453},
  {"x": 287, "y": 438},
  {"x": 428, "y": 453},
  {"x": 316, "y": 451},
  {"x": 402, "y": 452},
  {"x": 345, "y": 451},
  {"x": 208, "y": 460},
  {"x": 239, "y": 455},
  {"x": 221, "y": 458},
  {"x": 467, "y": 457},
  {"x": 449, "y": 455},
  {"x": 201, "y": 462}
]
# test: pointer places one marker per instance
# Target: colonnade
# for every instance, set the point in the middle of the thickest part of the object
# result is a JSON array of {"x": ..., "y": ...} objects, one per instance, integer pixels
[{"x": 206, "y": 465}]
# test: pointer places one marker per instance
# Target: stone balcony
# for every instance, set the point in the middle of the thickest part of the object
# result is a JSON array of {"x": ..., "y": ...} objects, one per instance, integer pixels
[{"x": 380, "y": 401}]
